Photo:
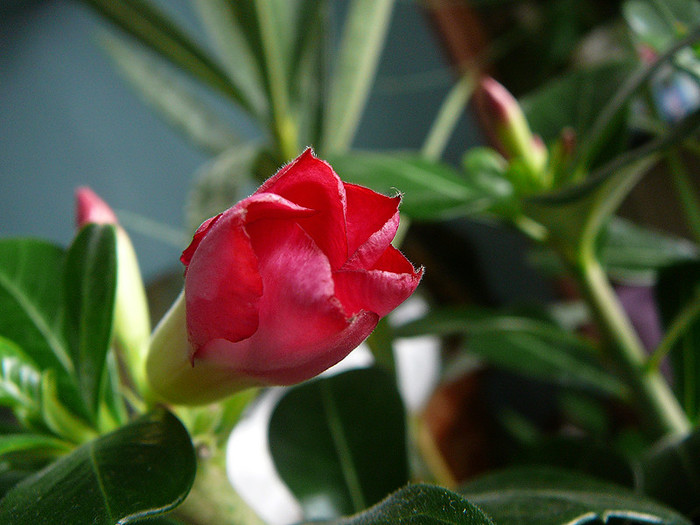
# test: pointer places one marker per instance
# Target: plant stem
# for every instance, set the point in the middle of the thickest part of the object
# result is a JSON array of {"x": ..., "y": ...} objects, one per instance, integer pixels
[
  {"x": 212, "y": 500},
  {"x": 678, "y": 328},
  {"x": 655, "y": 400},
  {"x": 453, "y": 107}
]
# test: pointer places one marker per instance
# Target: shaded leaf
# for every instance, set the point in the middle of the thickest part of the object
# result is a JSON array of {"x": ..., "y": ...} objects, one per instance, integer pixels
[
  {"x": 432, "y": 190},
  {"x": 677, "y": 287},
  {"x": 339, "y": 443},
  {"x": 421, "y": 505},
  {"x": 90, "y": 291},
  {"x": 671, "y": 474},
  {"x": 142, "y": 469},
  {"x": 549, "y": 496},
  {"x": 630, "y": 251},
  {"x": 527, "y": 346}
]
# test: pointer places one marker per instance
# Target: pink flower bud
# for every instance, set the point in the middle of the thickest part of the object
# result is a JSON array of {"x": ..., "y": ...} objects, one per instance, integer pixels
[
  {"x": 132, "y": 324},
  {"x": 281, "y": 286},
  {"x": 506, "y": 126},
  {"x": 90, "y": 208}
]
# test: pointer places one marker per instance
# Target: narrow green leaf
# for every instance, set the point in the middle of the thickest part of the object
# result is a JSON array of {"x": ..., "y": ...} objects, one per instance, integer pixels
[
  {"x": 432, "y": 190},
  {"x": 549, "y": 496},
  {"x": 30, "y": 300},
  {"x": 152, "y": 28},
  {"x": 362, "y": 41},
  {"x": 671, "y": 474},
  {"x": 273, "y": 33},
  {"x": 228, "y": 33},
  {"x": 37, "y": 444},
  {"x": 169, "y": 95},
  {"x": 339, "y": 443},
  {"x": 140, "y": 470},
  {"x": 421, "y": 505},
  {"x": 524, "y": 345},
  {"x": 90, "y": 289},
  {"x": 633, "y": 252}
]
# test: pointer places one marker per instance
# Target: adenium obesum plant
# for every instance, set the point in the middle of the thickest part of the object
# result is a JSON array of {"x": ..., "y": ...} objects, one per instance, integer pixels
[{"x": 281, "y": 286}]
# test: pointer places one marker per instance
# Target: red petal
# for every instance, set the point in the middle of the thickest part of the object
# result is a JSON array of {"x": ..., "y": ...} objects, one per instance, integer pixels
[
  {"x": 223, "y": 285},
  {"x": 302, "y": 328},
  {"x": 379, "y": 290},
  {"x": 187, "y": 254},
  {"x": 372, "y": 220},
  {"x": 312, "y": 183}
]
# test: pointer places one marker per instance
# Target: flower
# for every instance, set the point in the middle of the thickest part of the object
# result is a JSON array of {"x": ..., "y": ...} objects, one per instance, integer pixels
[
  {"x": 281, "y": 286},
  {"x": 132, "y": 324}
]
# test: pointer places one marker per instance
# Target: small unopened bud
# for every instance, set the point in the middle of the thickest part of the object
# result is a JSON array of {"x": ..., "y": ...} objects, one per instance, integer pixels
[
  {"x": 506, "y": 125},
  {"x": 132, "y": 326}
]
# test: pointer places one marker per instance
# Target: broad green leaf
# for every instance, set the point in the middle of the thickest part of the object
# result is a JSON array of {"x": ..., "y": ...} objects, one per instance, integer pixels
[
  {"x": 678, "y": 288},
  {"x": 671, "y": 474},
  {"x": 486, "y": 169},
  {"x": 90, "y": 290},
  {"x": 421, "y": 504},
  {"x": 168, "y": 94},
  {"x": 152, "y": 28},
  {"x": 30, "y": 300},
  {"x": 630, "y": 251},
  {"x": 339, "y": 443},
  {"x": 362, "y": 41},
  {"x": 140, "y": 470},
  {"x": 549, "y": 496},
  {"x": 431, "y": 190},
  {"x": 527, "y": 346}
]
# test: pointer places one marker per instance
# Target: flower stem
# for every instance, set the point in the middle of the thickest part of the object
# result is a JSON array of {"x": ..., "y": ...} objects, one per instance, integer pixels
[{"x": 655, "y": 400}]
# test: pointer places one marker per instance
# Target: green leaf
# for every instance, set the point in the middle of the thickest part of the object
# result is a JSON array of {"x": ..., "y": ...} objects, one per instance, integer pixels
[
  {"x": 169, "y": 95},
  {"x": 548, "y": 496},
  {"x": 30, "y": 300},
  {"x": 339, "y": 443},
  {"x": 574, "y": 101},
  {"x": 527, "y": 346},
  {"x": 37, "y": 445},
  {"x": 671, "y": 474},
  {"x": 421, "y": 504},
  {"x": 632, "y": 252},
  {"x": 362, "y": 41},
  {"x": 90, "y": 290},
  {"x": 228, "y": 32},
  {"x": 20, "y": 383},
  {"x": 140, "y": 470},
  {"x": 677, "y": 287},
  {"x": 148, "y": 25},
  {"x": 432, "y": 190},
  {"x": 658, "y": 24}
]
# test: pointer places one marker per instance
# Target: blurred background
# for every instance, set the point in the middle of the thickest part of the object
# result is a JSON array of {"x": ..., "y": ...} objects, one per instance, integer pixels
[{"x": 68, "y": 119}]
